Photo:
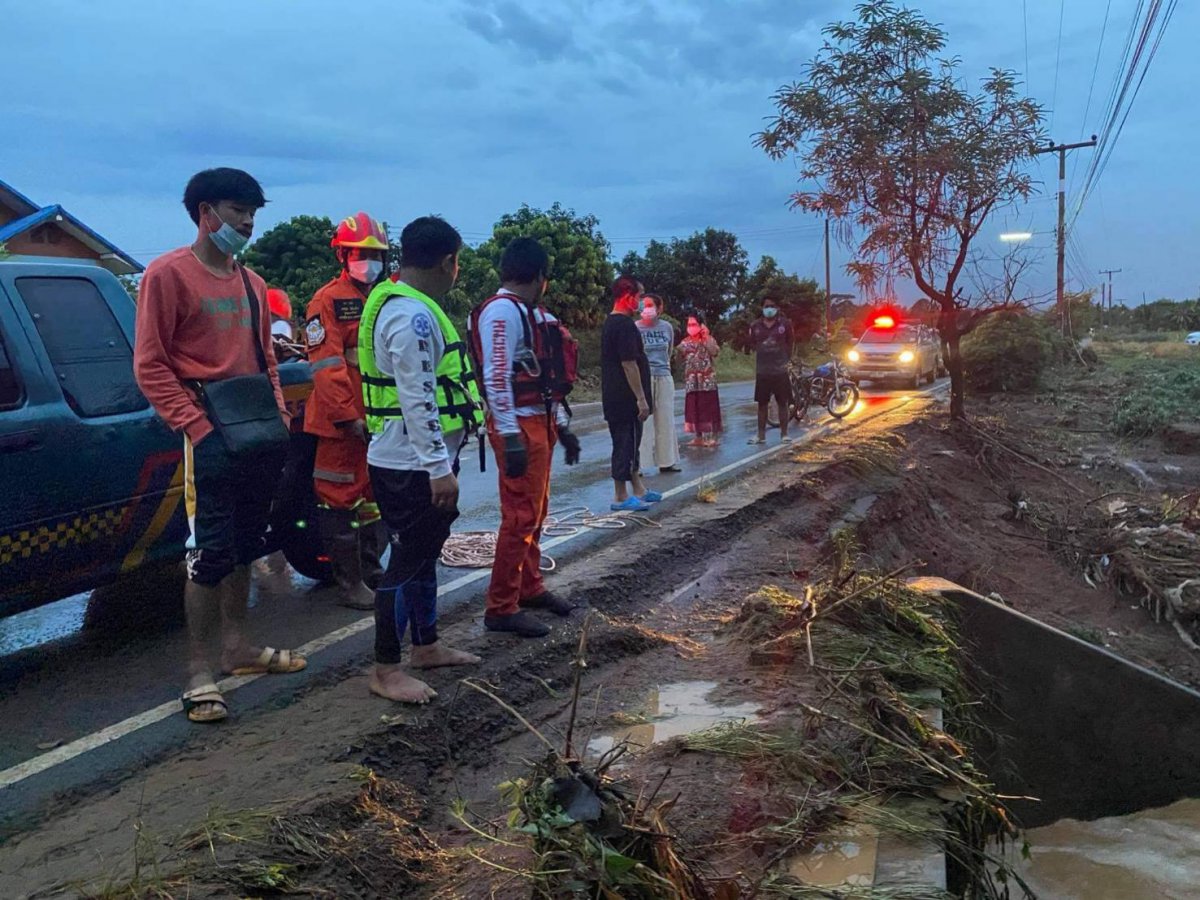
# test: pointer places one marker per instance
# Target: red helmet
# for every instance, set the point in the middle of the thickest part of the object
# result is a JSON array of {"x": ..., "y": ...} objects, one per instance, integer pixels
[
  {"x": 278, "y": 303},
  {"x": 360, "y": 230}
]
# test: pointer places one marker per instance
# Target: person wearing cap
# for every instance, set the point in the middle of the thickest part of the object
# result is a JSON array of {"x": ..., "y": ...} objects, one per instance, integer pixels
[{"x": 351, "y": 530}]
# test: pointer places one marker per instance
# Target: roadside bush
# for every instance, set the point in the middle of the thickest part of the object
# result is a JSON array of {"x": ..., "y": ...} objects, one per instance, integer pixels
[
  {"x": 1157, "y": 399},
  {"x": 1006, "y": 352}
]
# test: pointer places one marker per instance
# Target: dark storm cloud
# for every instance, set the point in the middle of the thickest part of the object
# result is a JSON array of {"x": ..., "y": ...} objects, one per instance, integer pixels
[
  {"x": 640, "y": 111},
  {"x": 509, "y": 25}
]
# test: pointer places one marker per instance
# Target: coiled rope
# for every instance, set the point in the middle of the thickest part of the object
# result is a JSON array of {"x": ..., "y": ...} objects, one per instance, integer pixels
[{"x": 477, "y": 549}]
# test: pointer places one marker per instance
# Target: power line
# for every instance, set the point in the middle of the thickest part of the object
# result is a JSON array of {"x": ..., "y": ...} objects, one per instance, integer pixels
[
  {"x": 1025, "y": 26},
  {"x": 1141, "y": 47},
  {"x": 1087, "y": 108},
  {"x": 1095, "y": 68},
  {"x": 1062, "y": 9}
]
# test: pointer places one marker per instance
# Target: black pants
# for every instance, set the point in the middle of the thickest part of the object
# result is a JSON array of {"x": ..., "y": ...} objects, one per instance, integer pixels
[
  {"x": 407, "y": 593},
  {"x": 626, "y": 432},
  {"x": 228, "y": 506},
  {"x": 778, "y": 386}
]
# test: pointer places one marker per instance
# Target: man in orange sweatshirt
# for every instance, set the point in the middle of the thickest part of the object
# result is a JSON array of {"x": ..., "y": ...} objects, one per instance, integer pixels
[
  {"x": 194, "y": 325},
  {"x": 351, "y": 530}
]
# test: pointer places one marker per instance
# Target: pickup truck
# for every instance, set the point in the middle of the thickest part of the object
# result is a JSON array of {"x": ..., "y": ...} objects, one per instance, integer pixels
[{"x": 91, "y": 480}]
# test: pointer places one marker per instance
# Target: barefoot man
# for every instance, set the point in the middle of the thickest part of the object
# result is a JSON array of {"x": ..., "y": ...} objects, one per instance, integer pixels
[{"x": 420, "y": 405}]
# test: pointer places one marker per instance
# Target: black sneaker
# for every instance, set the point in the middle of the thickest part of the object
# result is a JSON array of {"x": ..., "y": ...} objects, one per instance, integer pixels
[
  {"x": 520, "y": 622},
  {"x": 548, "y": 600}
]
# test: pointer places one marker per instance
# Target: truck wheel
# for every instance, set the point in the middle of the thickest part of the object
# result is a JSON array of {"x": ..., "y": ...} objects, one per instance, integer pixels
[{"x": 931, "y": 375}]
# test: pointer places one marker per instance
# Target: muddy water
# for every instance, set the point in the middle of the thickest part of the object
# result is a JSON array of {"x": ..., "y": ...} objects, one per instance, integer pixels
[
  {"x": 1149, "y": 855},
  {"x": 844, "y": 858},
  {"x": 672, "y": 710}
]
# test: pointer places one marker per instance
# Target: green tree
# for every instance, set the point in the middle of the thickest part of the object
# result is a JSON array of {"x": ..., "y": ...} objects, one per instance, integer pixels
[
  {"x": 580, "y": 273},
  {"x": 705, "y": 271},
  {"x": 477, "y": 280},
  {"x": 295, "y": 255},
  {"x": 3, "y": 250},
  {"x": 896, "y": 147}
]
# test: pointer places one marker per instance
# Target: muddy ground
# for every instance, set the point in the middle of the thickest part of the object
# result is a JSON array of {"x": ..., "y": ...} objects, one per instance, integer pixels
[{"x": 376, "y": 788}]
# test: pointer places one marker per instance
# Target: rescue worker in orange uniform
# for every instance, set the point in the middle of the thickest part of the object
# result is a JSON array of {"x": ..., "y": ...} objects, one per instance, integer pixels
[{"x": 351, "y": 530}]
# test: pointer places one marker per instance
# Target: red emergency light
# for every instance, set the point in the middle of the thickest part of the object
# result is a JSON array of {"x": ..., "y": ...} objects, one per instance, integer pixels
[{"x": 884, "y": 322}]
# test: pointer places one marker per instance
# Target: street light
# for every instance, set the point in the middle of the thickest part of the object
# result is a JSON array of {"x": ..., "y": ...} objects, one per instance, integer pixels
[{"x": 1012, "y": 237}]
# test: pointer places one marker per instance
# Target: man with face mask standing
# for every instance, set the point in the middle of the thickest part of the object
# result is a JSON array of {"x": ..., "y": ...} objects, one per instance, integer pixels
[
  {"x": 196, "y": 312},
  {"x": 351, "y": 530},
  {"x": 772, "y": 339}
]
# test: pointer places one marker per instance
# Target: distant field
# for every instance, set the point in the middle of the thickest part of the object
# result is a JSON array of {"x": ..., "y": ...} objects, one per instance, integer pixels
[{"x": 1153, "y": 384}]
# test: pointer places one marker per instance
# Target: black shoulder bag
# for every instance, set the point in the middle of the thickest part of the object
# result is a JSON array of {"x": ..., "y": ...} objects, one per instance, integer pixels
[{"x": 243, "y": 409}]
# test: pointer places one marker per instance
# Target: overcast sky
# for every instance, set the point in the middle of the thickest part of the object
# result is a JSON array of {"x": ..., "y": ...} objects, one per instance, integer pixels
[{"x": 639, "y": 112}]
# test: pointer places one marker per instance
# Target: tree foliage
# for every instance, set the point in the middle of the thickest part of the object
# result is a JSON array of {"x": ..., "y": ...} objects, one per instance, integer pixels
[
  {"x": 705, "y": 272},
  {"x": 1007, "y": 352},
  {"x": 900, "y": 153},
  {"x": 477, "y": 280},
  {"x": 295, "y": 255},
  {"x": 580, "y": 273}
]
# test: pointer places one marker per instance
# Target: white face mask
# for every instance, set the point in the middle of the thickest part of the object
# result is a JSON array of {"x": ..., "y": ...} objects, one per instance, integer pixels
[
  {"x": 226, "y": 238},
  {"x": 649, "y": 312},
  {"x": 366, "y": 271}
]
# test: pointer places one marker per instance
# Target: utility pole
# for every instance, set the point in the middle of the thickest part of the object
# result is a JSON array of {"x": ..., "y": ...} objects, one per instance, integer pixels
[
  {"x": 827, "y": 297},
  {"x": 1110, "y": 273},
  {"x": 1061, "y": 150}
]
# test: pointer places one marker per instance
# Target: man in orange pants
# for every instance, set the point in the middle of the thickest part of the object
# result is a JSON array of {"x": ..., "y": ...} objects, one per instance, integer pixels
[
  {"x": 525, "y": 383},
  {"x": 351, "y": 529}
]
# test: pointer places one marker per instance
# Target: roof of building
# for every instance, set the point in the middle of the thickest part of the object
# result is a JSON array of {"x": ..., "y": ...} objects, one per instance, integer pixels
[{"x": 31, "y": 215}]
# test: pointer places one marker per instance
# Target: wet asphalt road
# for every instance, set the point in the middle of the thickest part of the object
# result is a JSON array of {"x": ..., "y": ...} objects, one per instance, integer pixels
[{"x": 74, "y": 667}]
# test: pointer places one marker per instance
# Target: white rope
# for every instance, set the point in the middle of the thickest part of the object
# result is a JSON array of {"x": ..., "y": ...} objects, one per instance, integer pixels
[{"x": 477, "y": 549}]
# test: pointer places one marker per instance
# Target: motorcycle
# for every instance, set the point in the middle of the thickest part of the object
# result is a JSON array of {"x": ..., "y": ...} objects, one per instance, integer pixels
[{"x": 827, "y": 385}]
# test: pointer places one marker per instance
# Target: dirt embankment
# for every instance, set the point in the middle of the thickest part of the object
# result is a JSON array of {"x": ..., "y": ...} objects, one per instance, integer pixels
[{"x": 326, "y": 798}]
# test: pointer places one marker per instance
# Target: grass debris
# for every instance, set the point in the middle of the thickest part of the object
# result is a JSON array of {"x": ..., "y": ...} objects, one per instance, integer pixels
[
  {"x": 589, "y": 834},
  {"x": 885, "y": 657}
]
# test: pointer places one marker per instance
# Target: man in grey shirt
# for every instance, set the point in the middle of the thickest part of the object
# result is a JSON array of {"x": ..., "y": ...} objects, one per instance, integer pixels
[{"x": 659, "y": 440}]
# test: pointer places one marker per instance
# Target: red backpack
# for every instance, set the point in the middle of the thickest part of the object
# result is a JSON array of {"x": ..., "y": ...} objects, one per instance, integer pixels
[{"x": 550, "y": 368}]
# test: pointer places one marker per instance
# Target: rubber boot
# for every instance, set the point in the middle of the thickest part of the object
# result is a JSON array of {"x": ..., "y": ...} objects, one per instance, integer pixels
[
  {"x": 341, "y": 540},
  {"x": 372, "y": 541}
]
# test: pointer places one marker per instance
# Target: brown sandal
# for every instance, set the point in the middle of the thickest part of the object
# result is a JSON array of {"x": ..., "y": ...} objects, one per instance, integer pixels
[
  {"x": 204, "y": 695},
  {"x": 273, "y": 662}
]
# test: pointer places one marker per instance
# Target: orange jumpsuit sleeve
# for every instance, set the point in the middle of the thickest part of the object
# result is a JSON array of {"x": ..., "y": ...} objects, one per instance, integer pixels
[{"x": 326, "y": 339}]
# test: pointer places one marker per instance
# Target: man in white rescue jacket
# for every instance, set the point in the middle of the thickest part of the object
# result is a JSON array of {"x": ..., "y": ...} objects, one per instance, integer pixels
[{"x": 526, "y": 417}]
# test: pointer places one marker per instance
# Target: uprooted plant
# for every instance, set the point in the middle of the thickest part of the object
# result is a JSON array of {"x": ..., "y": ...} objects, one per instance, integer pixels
[
  {"x": 589, "y": 833},
  {"x": 887, "y": 658},
  {"x": 1146, "y": 547}
]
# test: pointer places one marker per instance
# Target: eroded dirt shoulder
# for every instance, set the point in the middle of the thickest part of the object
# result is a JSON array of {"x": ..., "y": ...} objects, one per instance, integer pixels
[
  {"x": 398, "y": 788},
  {"x": 648, "y": 583}
]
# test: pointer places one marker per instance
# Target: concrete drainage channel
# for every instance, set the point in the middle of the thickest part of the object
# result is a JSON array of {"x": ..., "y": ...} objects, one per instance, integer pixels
[{"x": 1080, "y": 735}]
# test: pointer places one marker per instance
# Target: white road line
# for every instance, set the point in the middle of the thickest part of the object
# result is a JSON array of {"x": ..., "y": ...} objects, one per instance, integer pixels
[{"x": 118, "y": 730}]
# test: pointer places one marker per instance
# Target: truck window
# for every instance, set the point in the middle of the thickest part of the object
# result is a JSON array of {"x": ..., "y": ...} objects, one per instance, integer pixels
[
  {"x": 10, "y": 385},
  {"x": 85, "y": 343}
]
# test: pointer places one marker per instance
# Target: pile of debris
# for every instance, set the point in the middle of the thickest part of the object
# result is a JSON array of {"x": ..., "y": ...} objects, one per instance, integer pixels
[{"x": 1146, "y": 547}]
